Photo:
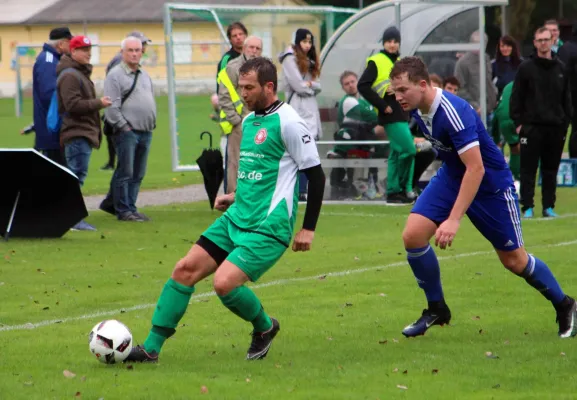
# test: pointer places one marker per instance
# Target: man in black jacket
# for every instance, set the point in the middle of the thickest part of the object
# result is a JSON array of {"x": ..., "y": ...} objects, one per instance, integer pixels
[{"x": 541, "y": 110}]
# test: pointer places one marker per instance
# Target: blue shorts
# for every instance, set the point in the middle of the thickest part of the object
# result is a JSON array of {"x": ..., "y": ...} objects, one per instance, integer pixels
[{"x": 495, "y": 215}]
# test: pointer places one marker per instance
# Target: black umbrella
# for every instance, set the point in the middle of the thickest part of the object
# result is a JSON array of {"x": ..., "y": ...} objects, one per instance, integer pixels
[
  {"x": 39, "y": 198},
  {"x": 210, "y": 164}
]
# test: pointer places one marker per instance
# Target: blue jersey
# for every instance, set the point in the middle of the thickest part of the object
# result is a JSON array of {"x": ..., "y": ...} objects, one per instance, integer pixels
[{"x": 453, "y": 127}]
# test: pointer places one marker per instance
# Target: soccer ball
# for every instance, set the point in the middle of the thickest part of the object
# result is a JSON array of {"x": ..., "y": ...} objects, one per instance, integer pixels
[{"x": 110, "y": 341}]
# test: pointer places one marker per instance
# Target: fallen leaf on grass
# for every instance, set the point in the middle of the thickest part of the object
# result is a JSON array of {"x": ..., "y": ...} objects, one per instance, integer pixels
[
  {"x": 491, "y": 355},
  {"x": 383, "y": 341},
  {"x": 322, "y": 277},
  {"x": 357, "y": 258},
  {"x": 278, "y": 366},
  {"x": 402, "y": 387},
  {"x": 28, "y": 383},
  {"x": 435, "y": 371},
  {"x": 382, "y": 294},
  {"x": 396, "y": 370},
  {"x": 298, "y": 270},
  {"x": 83, "y": 379},
  {"x": 562, "y": 353},
  {"x": 329, "y": 338},
  {"x": 130, "y": 366},
  {"x": 348, "y": 304},
  {"x": 476, "y": 318},
  {"x": 506, "y": 342},
  {"x": 46, "y": 308},
  {"x": 78, "y": 394},
  {"x": 248, "y": 379},
  {"x": 405, "y": 372},
  {"x": 68, "y": 374},
  {"x": 102, "y": 237},
  {"x": 480, "y": 331},
  {"x": 395, "y": 341},
  {"x": 203, "y": 389},
  {"x": 497, "y": 386}
]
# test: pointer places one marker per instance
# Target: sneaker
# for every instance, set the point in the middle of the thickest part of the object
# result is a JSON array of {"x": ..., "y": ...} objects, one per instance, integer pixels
[
  {"x": 130, "y": 217},
  {"x": 83, "y": 226},
  {"x": 440, "y": 316},
  {"x": 412, "y": 195},
  {"x": 261, "y": 342},
  {"x": 528, "y": 213},
  {"x": 398, "y": 198},
  {"x": 549, "y": 213},
  {"x": 138, "y": 354},
  {"x": 142, "y": 216},
  {"x": 302, "y": 197},
  {"x": 567, "y": 319}
]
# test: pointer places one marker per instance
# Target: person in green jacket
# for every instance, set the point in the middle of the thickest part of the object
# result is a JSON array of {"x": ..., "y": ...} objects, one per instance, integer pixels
[{"x": 504, "y": 126}]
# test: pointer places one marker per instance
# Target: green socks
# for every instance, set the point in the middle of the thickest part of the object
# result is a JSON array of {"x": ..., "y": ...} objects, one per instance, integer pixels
[
  {"x": 243, "y": 302},
  {"x": 169, "y": 310},
  {"x": 515, "y": 165}
]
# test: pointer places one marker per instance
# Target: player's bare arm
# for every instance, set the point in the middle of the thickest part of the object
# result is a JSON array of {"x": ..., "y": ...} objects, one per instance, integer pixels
[{"x": 469, "y": 187}]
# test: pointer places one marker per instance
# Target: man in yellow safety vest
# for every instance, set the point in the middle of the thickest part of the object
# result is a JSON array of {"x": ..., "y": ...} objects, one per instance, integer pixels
[
  {"x": 374, "y": 87},
  {"x": 232, "y": 110}
]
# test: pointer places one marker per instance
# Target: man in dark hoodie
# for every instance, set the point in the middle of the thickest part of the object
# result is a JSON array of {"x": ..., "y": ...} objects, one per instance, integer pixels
[
  {"x": 374, "y": 87},
  {"x": 541, "y": 110},
  {"x": 79, "y": 108}
]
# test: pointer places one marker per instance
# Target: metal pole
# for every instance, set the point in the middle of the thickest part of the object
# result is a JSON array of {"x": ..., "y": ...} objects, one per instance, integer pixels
[
  {"x": 482, "y": 66},
  {"x": 504, "y": 24},
  {"x": 171, "y": 86},
  {"x": 398, "y": 16},
  {"x": 9, "y": 228},
  {"x": 18, "y": 96}
]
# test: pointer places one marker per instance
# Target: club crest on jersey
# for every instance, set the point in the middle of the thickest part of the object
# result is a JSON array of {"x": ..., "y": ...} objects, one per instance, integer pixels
[{"x": 260, "y": 136}]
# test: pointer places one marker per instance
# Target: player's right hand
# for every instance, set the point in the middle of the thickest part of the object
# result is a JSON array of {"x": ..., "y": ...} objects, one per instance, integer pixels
[
  {"x": 303, "y": 240},
  {"x": 222, "y": 203}
]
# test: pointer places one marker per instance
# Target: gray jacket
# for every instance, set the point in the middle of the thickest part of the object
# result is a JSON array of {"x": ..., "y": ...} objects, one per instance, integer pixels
[
  {"x": 301, "y": 97},
  {"x": 224, "y": 99},
  {"x": 138, "y": 111},
  {"x": 467, "y": 71}
]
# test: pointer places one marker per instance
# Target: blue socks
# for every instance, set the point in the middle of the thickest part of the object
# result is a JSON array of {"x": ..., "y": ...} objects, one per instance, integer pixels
[
  {"x": 538, "y": 275},
  {"x": 425, "y": 266}
]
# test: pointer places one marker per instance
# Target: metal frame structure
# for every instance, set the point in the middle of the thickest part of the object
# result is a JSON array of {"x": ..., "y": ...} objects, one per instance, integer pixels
[
  {"x": 213, "y": 10},
  {"x": 403, "y": 11}
]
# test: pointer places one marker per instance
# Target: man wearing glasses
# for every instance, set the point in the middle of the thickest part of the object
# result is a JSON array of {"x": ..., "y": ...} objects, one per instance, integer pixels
[{"x": 541, "y": 110}]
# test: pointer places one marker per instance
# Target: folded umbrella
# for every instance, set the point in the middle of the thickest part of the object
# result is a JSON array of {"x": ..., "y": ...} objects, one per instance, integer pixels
[{"x": 210, "y": 163}]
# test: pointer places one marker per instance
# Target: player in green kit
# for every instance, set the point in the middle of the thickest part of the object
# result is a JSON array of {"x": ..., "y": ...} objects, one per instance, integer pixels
[{"x": 256, "y": 229}]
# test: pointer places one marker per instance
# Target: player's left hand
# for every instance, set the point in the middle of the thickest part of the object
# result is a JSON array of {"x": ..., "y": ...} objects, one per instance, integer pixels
[
  {"x": 222, "y": 203},
  {"x": 303, "y": 240},
  {"x": 446, "y": 232}
]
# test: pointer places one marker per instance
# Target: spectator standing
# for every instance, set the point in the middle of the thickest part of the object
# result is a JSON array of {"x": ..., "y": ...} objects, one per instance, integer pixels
[
  {"x": 79, "y": 108},
  {"x": 233, "y": 110},
  {"x": 301, "y": 71},
  {"x": 451, "y": 84},
  {"x": 503, "y": 126},
  {"x": 506, "y": 63},
  {"x": 541, "y": 111},
  {"x": 467, "y": 71},
  {"x": 374, "y": 87},
  {"x": 117, "y": 59},
  {"x": 133, "y": 116},
  {"x": 236, "y": 33},
  {"x": 43, "y": 87}
]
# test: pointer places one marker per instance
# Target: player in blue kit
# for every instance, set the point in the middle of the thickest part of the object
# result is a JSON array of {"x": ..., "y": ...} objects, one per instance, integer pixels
[{"x": 474, "y": 180}]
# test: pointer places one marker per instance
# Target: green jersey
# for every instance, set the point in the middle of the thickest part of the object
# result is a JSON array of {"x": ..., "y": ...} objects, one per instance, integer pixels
[
  {"x": 275, "y": 145},
  {"x": 355, "y": 110}
]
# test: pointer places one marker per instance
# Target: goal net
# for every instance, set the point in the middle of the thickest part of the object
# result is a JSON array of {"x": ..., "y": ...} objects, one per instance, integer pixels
[{"x": 195, "y": 40}]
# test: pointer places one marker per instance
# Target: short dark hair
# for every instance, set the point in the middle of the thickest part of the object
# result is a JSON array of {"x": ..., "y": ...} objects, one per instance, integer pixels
[
  {"x": 346, "y": 74},
  {"x": 414, "y": 67},
  {"x": 264, "y": 68},
  {"x": 451, "y": 80},
  {"x": 541, "y": 30},
  {"x": 552, "y": 22},
  {"x": 436, "y": 79},
  {"x": 235, "y": 25}
]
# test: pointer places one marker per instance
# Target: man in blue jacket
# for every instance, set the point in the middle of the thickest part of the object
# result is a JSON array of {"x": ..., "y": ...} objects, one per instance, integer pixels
[{"x": 43, "y": 86}]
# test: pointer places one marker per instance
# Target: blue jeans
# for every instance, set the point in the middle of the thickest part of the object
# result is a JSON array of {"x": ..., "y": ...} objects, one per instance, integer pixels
[
  {"x": 132, "y": 150},
  {"x": 77, "y": 152}
]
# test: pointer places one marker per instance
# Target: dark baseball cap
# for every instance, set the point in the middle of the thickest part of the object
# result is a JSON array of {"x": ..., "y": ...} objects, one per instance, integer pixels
[
  {"x": 139, "y": 35},
  {"x": 60, "y": 33}
]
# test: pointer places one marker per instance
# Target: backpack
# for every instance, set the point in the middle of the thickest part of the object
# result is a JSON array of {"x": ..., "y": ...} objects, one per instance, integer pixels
[{"x": 53, "y": 118}]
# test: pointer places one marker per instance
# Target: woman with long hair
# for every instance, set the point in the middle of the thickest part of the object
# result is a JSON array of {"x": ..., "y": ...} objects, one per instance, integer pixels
[
  {"x": 301, "y": 71},
  {"x": 506, "y": 63},
  {"x": 504, "y": 68}
]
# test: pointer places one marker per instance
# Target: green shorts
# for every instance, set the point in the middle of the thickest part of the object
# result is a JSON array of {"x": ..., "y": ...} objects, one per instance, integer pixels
[
  {"x": 252, "y": 252},
  {"x": 508, "y": 131}
]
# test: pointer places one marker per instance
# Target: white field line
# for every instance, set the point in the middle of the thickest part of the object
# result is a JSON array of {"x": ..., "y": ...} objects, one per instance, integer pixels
[{"x": 280, "y": 282}]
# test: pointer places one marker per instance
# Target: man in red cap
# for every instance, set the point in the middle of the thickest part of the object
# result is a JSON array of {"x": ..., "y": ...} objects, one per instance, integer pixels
[{"x": 79, "y": 108}]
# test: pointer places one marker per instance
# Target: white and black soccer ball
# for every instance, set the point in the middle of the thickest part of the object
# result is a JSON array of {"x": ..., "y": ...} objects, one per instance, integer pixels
[{"x": 110, "y": 341}]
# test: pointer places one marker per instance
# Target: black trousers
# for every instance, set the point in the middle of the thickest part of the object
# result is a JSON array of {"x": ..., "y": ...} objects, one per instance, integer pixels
[
  {"x": 55, "y": 155},
  {"x": 111, "y": 151},
  {"x": 573, "y": 138},
  {"x": 540, "y": 145}
]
